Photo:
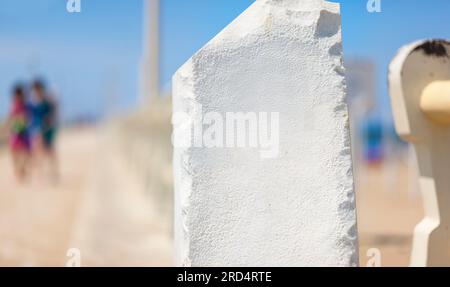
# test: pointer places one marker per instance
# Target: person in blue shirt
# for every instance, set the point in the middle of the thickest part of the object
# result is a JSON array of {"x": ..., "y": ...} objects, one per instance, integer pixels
[{"x": 43, "y": 124}]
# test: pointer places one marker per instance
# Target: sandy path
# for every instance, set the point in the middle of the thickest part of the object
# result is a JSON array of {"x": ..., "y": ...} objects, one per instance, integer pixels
[
  {"x": 98, "y": 208},
  {"x": 36, "y": 219},
  {"x": 389, "y": 206},
  {"x": 118, "y": 224}
]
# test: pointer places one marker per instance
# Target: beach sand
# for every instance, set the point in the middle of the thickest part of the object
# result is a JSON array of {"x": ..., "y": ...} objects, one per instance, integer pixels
[{"x": 98, "y": 208}]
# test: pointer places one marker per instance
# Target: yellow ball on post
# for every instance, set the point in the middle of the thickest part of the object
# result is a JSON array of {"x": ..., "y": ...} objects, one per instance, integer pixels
[{"x": 435, "y": 102}]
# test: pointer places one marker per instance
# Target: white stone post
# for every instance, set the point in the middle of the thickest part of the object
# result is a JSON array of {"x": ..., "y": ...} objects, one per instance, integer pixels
[
  {"x": 262, "y": 160},
  {"x": 419, "y": 80}
]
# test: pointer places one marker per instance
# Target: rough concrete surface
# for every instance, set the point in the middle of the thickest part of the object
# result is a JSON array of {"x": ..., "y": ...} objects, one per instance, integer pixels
[{"x": 234, "y": 208}]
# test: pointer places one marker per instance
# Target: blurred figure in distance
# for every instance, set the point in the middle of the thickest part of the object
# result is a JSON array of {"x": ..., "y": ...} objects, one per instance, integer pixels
[
  {"x": 19, "y": 138},
  {"x": 43, "y": 126}
]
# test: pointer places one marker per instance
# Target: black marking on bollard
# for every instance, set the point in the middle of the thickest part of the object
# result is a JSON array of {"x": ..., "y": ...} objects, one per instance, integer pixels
[{"x": 434, "y": 48}]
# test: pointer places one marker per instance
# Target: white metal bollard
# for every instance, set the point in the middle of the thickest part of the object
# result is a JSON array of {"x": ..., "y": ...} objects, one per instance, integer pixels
[
  {"x": 419, "y": 80},
  {"x": 262, "y": 159}
]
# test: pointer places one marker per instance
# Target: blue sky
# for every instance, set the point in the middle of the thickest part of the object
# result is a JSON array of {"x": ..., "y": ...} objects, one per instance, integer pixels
[{"x": 92, "y": 58}]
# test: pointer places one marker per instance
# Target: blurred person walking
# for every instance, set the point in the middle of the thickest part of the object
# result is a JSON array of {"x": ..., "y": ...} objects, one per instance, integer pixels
[
  {"x": 19, "y": 140},
  {"x": 43, "y": 127}
]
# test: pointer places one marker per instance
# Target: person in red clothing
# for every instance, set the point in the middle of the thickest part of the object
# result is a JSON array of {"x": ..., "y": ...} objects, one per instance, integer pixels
[{"x": 19, "y": 141}]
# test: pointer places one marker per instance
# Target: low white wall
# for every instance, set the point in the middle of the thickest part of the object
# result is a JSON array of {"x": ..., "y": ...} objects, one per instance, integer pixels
[
  {"x": 236, "y": 206},
  {"x": 144, "y": 140}
]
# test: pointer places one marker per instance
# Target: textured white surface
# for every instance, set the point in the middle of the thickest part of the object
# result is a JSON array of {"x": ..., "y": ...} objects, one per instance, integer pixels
[{"x": 234, "y": 208}]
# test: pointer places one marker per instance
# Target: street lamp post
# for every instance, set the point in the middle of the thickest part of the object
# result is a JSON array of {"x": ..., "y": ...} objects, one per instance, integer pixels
[{"x": 149, "y": 82}]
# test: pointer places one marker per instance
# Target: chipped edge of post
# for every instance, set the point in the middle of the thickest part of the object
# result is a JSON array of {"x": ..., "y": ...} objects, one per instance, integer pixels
[{"x": 182, "y": 180}]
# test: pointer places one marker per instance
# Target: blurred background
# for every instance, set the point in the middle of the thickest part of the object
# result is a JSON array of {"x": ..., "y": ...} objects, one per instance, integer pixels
[{"x": 109, "y": 68}]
